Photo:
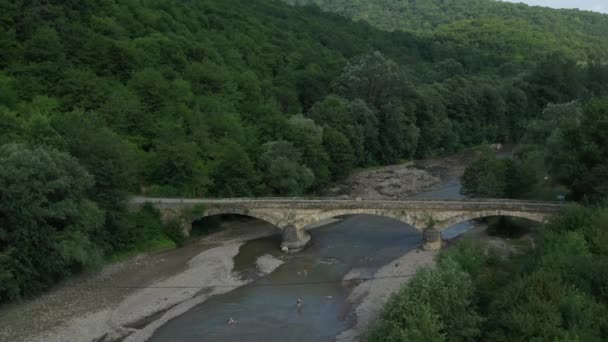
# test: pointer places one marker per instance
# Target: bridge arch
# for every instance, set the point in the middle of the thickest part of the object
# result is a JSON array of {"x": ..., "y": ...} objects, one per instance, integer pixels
[
  {"x": 401, "y": 216},
  {"x": 262, "y": 216},
  {"x": 441, "y": 225}
]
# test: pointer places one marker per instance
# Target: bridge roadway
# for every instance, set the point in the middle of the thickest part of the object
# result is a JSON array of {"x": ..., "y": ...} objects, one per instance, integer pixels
[{"x": 294, "y": 215}]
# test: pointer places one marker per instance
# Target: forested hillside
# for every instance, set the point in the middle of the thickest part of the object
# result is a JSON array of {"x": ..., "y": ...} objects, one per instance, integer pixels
[
  {"x": 514, "y": 29},
  {"x": 99, "y": 100}
]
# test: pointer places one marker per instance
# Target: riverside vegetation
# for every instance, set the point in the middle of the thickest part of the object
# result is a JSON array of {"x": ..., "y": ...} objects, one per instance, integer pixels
[
  {"x": 554, "y": 290},
  {"x": 235, "y": 98}
]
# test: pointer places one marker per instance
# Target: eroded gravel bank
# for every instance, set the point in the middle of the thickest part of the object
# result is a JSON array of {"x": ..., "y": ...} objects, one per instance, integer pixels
[
  {"x": 129, "y": 300},
  {"x": 371, "y": 295}
]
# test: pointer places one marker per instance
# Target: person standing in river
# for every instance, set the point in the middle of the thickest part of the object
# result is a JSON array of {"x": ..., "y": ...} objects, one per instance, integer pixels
[{"x": 299, "y": 304}]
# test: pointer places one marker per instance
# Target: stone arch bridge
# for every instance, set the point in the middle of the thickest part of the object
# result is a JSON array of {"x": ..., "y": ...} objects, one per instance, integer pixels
[{"x": 294, "y": 215}]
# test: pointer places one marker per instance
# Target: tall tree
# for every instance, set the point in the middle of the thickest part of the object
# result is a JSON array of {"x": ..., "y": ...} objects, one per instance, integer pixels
[
  {"x": 234, "y": 174},
  {"x": 340, "y": 152},
  {"x": 46, "y": 221},
  {"x": 283, "y": 171},
  {"x": 307, "y": 136}
]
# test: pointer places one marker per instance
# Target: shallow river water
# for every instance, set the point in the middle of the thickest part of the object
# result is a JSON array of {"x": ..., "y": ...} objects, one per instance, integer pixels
[{"x": 265, "y": 310}]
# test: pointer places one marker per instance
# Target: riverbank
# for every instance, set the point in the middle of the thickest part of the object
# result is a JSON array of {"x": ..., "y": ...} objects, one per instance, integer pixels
[
  {"x": 370, "y": 296},
  {"x": 131, "y": 298}
]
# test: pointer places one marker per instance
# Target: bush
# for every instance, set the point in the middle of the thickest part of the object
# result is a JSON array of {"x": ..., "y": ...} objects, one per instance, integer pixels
[
  {"x": 174, "y": 231},
  {"x": 421, "y": 323},
  {"x": 46, "y": 221},
  {"x": 541, "y": 306},
  {"x": 436, "y": 302}
]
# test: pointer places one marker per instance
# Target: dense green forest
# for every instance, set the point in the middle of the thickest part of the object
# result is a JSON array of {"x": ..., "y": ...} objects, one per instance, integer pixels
[
  {"x": 563, "y": 152},
  {"x": 554, "y": 289},
  {"x": 99, "y": 100},
  {"x": 513, "y": 29}
]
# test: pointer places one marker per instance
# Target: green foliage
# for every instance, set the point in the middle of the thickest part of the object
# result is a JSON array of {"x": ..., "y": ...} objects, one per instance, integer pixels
[
  {"x": 419, "y": 323},
  {"x": 541, "y": 306},
  {"x": 555, "y": 291},
  {"x": 340, "y": 152},
  {"x": 578, "y": 153},
  {"x": 185, "y": 105},
  {"x": 139, "y": 228},
  {"x": 307, "y": 136},
  {"x": 485, "y": 177},
  {"x": 492, "y": 28},
  {"x": 563, "y": 152},
  {"x": 470, "y": 255},
  {"x": 141, "y": 231},
  {"x": 372, "y": 78},
  {"x": 437, "y": 303},
  {"x": 282, "y": 169},
  {"x": 47, "y": 225},
  {"x": 112, "y": 161},
  {"x": 174, "y": 231},
  {"x": 383, "y": 85},
  {"x": 234, "y": 175},
  {"x": 49, "y": 228},
  {"x": 493, "y": 177}
]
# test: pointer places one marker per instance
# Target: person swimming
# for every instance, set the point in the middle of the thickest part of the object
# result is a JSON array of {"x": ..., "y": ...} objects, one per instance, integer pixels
[{"x": 231, "y": 321}]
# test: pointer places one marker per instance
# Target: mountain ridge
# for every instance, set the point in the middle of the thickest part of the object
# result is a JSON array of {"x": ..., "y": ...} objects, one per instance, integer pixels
[{"x": 567, "y": 27}]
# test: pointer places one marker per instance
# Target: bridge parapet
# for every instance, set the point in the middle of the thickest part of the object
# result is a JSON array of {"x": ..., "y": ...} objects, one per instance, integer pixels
[
  {"x": 293, "y": 215},
  {"x": 305, "y": 203}
]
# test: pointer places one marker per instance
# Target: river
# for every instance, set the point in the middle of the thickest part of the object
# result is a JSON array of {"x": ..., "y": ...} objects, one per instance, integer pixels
[{"x": 265, "y": 309}]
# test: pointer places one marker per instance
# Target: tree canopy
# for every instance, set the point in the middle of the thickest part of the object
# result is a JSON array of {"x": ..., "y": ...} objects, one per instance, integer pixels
[
  {"x": 554, "y": 291},
  {"x": 515, "y": 30}
]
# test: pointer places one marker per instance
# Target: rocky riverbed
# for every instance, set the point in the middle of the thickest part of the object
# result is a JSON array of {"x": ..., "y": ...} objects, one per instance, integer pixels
[{"x": 403, "y": 180}]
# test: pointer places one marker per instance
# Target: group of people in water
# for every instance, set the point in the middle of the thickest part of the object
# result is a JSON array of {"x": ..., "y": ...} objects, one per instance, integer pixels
[{"x": 299, "y": 302}]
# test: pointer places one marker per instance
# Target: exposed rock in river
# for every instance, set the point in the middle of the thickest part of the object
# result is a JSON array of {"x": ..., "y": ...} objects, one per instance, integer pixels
[
  {"x": 267, "y": 263},
  {"x": 403, "y": 180}
]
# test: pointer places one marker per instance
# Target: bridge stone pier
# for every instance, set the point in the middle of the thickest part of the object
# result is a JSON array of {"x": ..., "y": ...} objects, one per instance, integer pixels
[{"x": 294, "y": 215}]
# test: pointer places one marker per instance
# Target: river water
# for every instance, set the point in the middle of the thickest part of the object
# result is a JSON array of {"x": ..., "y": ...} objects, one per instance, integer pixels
[{"x": 265, "y": 309}]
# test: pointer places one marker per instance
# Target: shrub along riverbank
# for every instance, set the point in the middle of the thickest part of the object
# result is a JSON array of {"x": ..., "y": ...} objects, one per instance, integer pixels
[{"x": 555, "y": 291}]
